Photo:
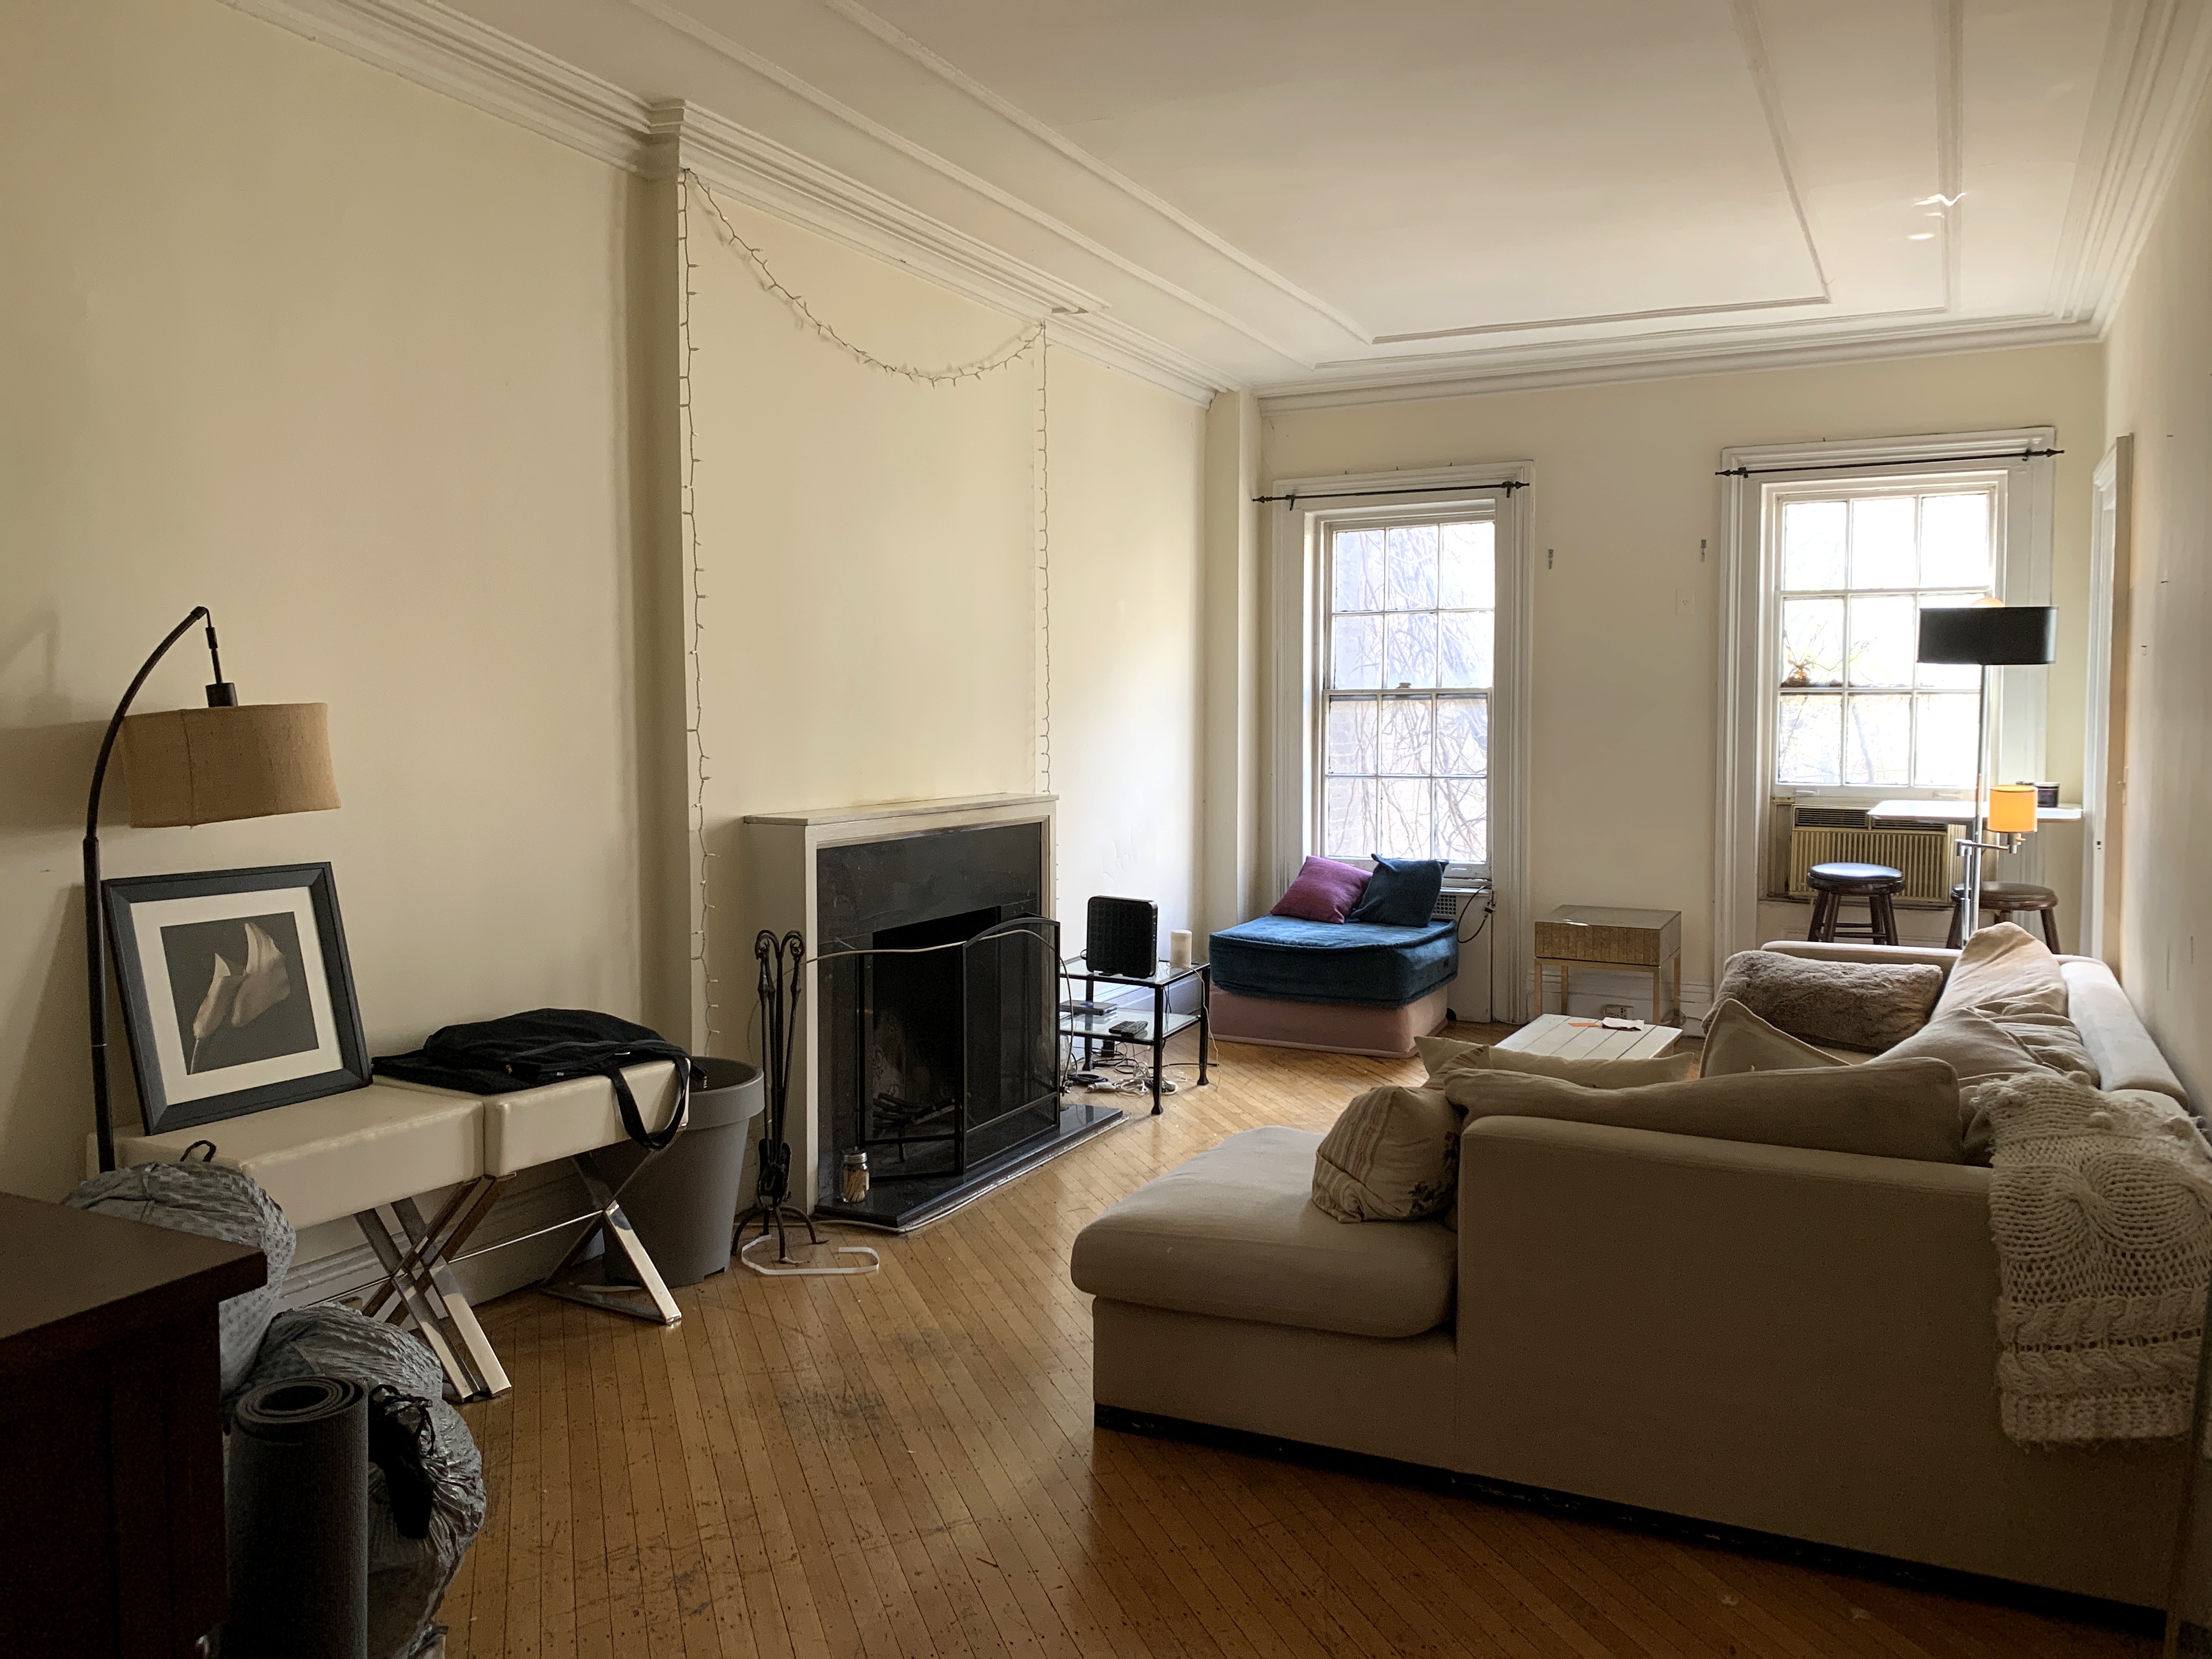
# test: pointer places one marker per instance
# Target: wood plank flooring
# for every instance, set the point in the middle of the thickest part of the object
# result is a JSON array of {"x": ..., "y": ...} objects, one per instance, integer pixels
[{"x": 904, "y": 1465}]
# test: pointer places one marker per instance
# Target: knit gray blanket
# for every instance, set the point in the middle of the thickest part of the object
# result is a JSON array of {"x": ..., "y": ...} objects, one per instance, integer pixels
[{"x": 2101, "y": 1205}]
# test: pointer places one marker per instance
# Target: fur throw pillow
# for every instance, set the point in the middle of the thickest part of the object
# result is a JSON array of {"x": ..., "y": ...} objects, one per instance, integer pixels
[{"x": 1851, "y": 1005}]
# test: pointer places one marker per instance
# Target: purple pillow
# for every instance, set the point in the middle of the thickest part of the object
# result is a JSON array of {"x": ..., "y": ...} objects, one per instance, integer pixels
[{"x": 1324, "y": 891}]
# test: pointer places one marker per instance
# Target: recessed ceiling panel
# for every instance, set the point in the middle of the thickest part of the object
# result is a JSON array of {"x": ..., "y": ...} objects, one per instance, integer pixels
[{"x": 1423, "y": 165}]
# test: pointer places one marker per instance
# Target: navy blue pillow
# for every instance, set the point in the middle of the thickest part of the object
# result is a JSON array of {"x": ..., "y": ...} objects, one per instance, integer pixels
[{"x": 1401, "y": 893}]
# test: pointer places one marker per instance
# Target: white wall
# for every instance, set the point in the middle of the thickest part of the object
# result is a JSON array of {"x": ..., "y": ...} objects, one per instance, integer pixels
[
  {"x": 1624, "y": 685},
  {"x": 2159, "y": 362},
  {"x": 344, "y": 360},
  {"x": 869, "y": 545},
  {"x": 388, "y": 384}
]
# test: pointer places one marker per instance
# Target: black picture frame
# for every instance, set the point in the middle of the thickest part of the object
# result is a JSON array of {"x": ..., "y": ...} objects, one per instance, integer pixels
[{"x": 230, "y": 940}]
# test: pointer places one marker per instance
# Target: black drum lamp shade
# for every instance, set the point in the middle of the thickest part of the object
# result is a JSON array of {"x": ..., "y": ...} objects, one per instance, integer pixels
[{"x": 1990, "y": 635}]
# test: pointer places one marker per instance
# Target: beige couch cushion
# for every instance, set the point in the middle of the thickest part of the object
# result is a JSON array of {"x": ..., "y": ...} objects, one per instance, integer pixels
[
  {"x": 1851, "y": 1005},
  {"x": 1737, "y": 1040},
  {"x": 1234, "y": 1233},
  {"x": 1971, "y": 1044},
  {"x": 2005, "y": 969},
  {"x": 1443, "y": 1056},
  {"x": 1907, "y": 1110},
  {"x": 1391, "y": 1155}
]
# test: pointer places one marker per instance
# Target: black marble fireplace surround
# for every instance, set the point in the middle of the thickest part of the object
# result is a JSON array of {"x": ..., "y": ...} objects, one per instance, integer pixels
[{"x": 943, "y": 1064}]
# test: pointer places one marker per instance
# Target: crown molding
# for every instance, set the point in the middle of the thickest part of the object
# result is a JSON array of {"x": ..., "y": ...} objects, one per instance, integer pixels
[
  {"x": 777, "y": 180},
  {"x": 2160, "y": 60},
  {"x": 1599, "y": 363},
  {"x": 447, "y": 51},
  {"x": 2157, "y": 62}
]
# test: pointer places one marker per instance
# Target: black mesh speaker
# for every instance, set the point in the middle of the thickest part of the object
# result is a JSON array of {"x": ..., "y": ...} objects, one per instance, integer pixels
[{"x": 1122, "y": 936}]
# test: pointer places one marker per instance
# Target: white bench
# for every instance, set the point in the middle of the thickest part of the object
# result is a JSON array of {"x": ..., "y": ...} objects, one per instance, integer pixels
[{"x": 371, "y": 1150}]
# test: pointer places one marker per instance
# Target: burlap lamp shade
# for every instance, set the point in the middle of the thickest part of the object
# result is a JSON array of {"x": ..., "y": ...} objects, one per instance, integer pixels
[{"x": 209, "y": 765}]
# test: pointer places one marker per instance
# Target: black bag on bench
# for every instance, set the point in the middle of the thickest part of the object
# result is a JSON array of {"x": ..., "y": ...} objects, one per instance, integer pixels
[{"x": 550, "y": 1045}]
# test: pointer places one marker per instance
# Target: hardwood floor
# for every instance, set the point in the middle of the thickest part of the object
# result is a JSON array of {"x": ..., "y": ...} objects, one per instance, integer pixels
[{"x": 904, "y": 1464}]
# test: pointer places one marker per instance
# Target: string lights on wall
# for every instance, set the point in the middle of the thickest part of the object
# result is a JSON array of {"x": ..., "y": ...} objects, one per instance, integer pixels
[{"x": 1030, "y": 344}]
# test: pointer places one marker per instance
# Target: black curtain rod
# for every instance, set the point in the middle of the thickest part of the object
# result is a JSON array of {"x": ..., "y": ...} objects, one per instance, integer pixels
[
  {"x": 1841, "y": 466},
  {"x": 1509, "y": 486}
]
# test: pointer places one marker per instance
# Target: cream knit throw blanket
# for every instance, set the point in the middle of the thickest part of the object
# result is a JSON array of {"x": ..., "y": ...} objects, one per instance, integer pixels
[{"x": 2102, "y": 1208}]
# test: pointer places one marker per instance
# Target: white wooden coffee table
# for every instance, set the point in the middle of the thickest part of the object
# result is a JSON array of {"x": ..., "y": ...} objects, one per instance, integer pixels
[{"x": 1575, "y": 1037}]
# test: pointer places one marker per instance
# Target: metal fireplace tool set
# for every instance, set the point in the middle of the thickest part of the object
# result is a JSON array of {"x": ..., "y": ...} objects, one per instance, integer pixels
[{"x": 782, "y": 985}]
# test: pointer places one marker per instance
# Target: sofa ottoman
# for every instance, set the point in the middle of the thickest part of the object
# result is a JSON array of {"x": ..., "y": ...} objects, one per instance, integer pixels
[
  {"x": 1224, "y": 1296},
  {"x": 1352, "y": 987}
]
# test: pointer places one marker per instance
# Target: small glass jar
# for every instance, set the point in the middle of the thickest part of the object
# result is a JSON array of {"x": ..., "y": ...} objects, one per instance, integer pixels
[{"x": 853, "y": 1178}]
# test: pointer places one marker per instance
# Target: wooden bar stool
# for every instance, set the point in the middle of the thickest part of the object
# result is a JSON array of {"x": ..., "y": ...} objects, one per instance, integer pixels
[
  {"x": 2008, "y": 899},
  {"x": 1831, "y": 884}
]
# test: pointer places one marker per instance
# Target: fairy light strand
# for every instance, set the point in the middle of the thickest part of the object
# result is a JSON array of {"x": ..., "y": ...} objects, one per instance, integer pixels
[
  {"x": 695, "y": 716},
  {"x": 1013, "y": 350},
  {"x": 942, "y": 374}
]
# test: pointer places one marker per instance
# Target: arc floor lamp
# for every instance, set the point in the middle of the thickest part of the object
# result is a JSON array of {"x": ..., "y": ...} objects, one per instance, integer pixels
[
  {"x": 229, "y": 760},
  {"x": 1990, "y": 635}
]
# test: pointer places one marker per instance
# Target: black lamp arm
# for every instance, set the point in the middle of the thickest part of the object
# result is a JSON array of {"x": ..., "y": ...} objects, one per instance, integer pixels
[{"x": 220, "y": 695}]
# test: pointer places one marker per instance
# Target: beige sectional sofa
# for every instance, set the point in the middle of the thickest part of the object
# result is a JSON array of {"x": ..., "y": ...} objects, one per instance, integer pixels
[{"x": 1789, "y": 1341}]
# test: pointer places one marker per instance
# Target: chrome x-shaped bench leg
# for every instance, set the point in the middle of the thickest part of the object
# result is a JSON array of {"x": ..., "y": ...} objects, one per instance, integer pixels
[
  {"x": 574, "y": 1282},
  {"x": 419, "y": 1283}
]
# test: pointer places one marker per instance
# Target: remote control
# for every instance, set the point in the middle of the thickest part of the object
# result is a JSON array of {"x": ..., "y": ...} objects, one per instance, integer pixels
[{"x": 1128, "y": 1028}]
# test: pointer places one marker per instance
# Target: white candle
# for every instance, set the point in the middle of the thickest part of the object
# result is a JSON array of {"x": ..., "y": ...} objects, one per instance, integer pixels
[{"x": 1179, "y": 948}]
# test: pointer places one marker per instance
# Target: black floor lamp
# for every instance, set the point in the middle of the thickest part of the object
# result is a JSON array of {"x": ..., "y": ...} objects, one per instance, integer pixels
[
  {"x": 229, "y": 760},
  {"x": 1989, "y": 636}
]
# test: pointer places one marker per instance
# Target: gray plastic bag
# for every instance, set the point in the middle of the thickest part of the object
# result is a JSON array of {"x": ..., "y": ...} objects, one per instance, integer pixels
[
  {"x": 407, "y": 1576},
  {"x": 214, "y": 1202}
]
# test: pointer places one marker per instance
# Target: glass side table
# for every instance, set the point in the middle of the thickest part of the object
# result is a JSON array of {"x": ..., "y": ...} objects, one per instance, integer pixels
[{"x": 1163, "y": 1024}]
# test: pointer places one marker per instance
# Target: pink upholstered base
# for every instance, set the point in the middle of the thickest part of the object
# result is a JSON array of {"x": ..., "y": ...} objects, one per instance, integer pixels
[{"x": 1340, "y": 1027}]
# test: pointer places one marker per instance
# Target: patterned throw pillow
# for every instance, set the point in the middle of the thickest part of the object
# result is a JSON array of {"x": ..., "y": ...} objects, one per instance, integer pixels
[{"x": 1392, "y": 1156}]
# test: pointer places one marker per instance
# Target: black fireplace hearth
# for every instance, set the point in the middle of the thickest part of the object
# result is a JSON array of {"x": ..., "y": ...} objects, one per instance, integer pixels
[{"x": 937, "y": 994}]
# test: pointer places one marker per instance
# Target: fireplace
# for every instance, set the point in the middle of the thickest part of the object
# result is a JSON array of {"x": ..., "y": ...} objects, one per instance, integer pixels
[{"x": 931, "y": 1031}]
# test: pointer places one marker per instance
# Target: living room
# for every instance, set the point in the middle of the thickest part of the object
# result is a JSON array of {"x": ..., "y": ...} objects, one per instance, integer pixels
[{"x": 642, "y": 426}]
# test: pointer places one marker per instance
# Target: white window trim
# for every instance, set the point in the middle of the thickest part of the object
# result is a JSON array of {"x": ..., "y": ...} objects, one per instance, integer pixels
[
  {"x": 1294, "y": 746},
  {"x": 1744, "y": 768}
]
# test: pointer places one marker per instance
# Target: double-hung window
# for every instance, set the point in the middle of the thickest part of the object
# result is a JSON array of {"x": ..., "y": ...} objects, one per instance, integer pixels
[
  {"x": 1832, "y": 551},
  {"x": 1857, "y": 566},
  {"x": 1408, "y": 654}
]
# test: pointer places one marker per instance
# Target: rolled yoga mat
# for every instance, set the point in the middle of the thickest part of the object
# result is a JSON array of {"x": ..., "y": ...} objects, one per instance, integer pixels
[{"x": 296, "y": 1503}]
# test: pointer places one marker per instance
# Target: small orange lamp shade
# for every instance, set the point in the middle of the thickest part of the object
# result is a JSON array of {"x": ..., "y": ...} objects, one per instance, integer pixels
[
  {"x": 209, "y": 765},
  {"x": 2012, "y": 808}
]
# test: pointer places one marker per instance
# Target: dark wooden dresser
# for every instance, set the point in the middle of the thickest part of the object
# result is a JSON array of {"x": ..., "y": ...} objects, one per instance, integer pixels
[{"x": 111, "y": 1432}]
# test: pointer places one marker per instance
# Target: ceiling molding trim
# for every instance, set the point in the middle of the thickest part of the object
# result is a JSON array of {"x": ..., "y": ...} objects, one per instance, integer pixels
[
  {"x": 777, "y": 180},
  {"x": 1554, "y": 369},
  {"x": 899, "y": 40},
  {"x": 447, "y": 52},
  {"x": 2154, "y": 82},
  {"x": 691, "y": 28}
]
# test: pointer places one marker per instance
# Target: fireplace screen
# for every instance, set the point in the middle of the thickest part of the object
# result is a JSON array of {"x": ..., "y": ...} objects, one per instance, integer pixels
[{"x": 951, "y": 1057}]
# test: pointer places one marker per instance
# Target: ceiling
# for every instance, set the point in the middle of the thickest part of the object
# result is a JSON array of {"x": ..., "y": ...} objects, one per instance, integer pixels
[{"x": 1331, "y": 202}]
